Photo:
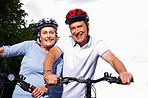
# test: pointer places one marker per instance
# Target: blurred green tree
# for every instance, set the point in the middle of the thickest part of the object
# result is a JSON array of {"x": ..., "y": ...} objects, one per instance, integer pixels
[{"x": 13, "y": 30}]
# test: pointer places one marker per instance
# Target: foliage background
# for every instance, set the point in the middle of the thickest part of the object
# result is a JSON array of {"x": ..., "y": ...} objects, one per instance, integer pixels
[{"x": 13, "y": 29}]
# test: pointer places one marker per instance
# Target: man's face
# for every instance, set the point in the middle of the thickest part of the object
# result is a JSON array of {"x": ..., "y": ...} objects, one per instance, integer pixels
[{"x": 79, "y": 32}]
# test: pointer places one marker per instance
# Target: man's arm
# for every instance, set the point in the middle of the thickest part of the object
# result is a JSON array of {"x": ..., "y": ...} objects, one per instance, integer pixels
[
  {"x": 53, "y": 54},
  {"x": 118, "y": 66}
]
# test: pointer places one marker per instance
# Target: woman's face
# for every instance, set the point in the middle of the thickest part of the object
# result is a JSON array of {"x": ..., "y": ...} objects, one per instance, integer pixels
[{"x": 48, "y": 36}]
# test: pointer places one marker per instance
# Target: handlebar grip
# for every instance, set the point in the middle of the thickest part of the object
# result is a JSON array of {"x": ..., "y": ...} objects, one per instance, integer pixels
[
  {"x": 3, "y": 76},
  {"x": 120, "y": 82},
  {"x": 62, "y": 80},
  {"x": 31, "y": 87},
  {"x": 66, "y": 80}
]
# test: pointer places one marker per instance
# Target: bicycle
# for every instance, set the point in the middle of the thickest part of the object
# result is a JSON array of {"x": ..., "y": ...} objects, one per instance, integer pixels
[
  {"x": 107, "y": 77},
  {"x": 62, "y": 80},
  {"x": 19, "y": 80}
]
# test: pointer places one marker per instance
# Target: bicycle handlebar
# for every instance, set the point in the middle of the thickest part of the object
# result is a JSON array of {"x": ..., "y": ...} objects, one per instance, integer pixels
[
  {"x": 62, "y": 80},
  {"x": 107, "y": 77},
  {"x": 20, "y": 80}
]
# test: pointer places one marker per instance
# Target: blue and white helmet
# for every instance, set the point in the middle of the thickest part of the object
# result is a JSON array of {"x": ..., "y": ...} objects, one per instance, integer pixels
[{"x": 46, "y": 22}]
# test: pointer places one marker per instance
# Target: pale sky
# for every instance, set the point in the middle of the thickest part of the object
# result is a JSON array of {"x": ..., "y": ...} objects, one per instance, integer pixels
[{"x": 121, "y": 24}]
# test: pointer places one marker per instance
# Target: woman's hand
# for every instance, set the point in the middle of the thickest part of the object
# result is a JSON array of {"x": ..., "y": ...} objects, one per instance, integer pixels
[
  {"x": 1, "y": 51},
  {"x": 39, "y": 91}
]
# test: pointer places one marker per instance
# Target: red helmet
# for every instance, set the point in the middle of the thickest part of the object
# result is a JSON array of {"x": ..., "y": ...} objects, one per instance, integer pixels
[{"x": 75, "y": 15}]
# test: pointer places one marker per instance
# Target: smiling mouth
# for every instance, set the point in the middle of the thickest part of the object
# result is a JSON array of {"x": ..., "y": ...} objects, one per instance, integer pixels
[
  {"x": 78, "y": 35},
  {"x": 49, "y": 40}
]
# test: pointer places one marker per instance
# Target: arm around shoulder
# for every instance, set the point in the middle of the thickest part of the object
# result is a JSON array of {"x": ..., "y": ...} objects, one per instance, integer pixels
[{"x": 53, "y": 54}]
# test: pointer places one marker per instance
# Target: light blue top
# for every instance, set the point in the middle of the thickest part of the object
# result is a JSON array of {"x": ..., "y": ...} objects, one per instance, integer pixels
[{"x": 31, "y": 66}]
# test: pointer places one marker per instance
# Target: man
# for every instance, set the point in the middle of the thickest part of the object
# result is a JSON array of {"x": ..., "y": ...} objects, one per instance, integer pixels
[{"x": 80, "y": 53}]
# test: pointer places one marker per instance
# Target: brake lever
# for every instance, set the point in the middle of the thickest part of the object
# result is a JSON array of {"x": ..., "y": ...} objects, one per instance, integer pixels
[{"x": 111, "y": 79}]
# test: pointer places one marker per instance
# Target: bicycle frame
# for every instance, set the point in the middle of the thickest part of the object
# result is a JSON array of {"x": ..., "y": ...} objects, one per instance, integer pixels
[{"x": 88, "y": 89}]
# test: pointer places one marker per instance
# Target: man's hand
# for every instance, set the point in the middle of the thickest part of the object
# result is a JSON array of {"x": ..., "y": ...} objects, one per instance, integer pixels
[
  {"x": 125, "y": 77},
  {"x": 50, "y": 78}
]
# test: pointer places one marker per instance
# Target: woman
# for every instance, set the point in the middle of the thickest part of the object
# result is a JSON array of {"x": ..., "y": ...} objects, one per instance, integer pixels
[{"x": 34, "y": 55}]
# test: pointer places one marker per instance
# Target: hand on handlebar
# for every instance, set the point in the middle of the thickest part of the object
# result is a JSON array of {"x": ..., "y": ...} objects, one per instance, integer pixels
[
  {"x": 39, "y": 91},
  {"x": 125, "y": 77},
  {"x": 50, "y": 78}
]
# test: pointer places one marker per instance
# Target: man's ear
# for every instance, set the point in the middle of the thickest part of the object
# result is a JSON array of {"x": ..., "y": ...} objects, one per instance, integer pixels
[{"x": 88, "y": 25}]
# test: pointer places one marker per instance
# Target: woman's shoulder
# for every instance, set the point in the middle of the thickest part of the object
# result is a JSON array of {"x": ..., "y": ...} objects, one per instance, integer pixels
[{"x": 29, "y": 42}]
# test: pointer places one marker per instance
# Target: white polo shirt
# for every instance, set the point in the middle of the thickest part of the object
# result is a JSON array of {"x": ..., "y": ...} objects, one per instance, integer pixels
[{"x": 79, "y": 61}]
